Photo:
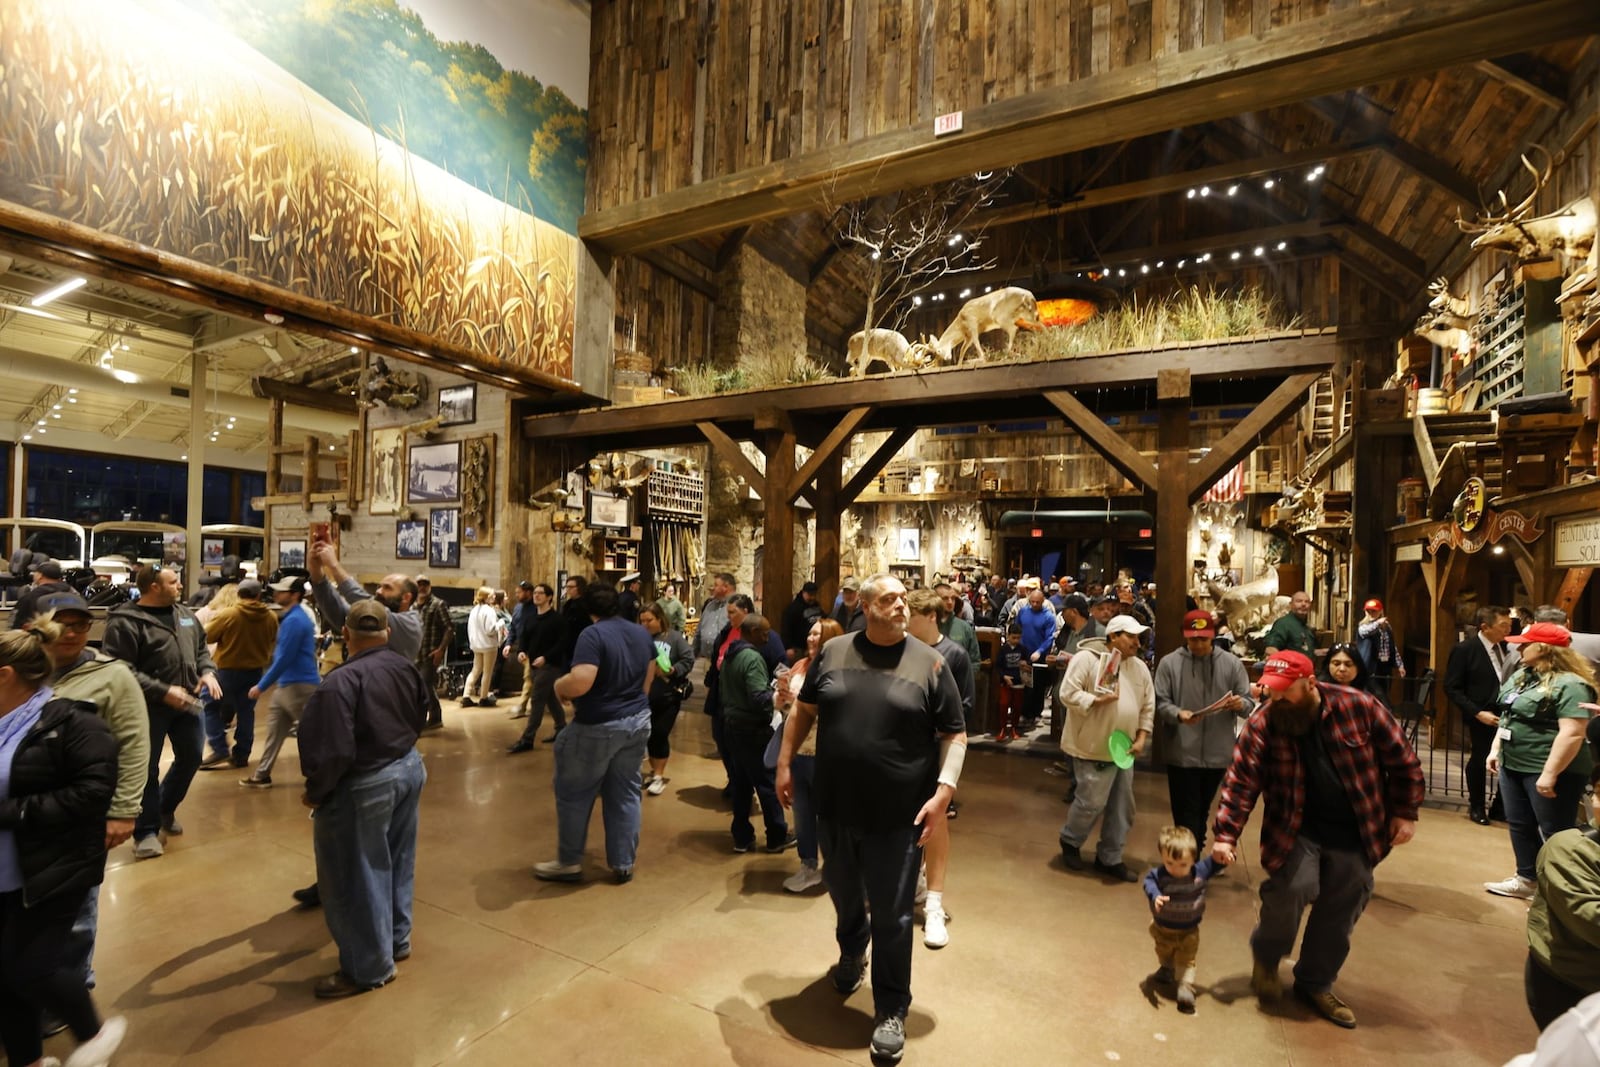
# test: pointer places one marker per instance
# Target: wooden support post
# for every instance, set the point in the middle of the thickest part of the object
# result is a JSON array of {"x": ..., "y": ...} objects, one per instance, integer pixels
[
  {"x": 1572, "y": 587},
  {"x": 274, "y": 472},
  {"x": 734, "y": 456},
  {"x": 828, "y": 510},
  {"x": 777, "y": 568},
  {"x": 1172, "y": 506}
]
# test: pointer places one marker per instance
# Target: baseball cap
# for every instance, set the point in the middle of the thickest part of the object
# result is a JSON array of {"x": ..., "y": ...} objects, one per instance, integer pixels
[
  {"x": 1076, "y": 602},
  {"x": 250, "y": 589},
  {"x": 1373, "y": 605},
  {"x": 63, "y": 601},
  {"x": 853, "y": 584},
  {"x": 1199, "y": 623},
  {"x": 524, "y": 584},
  {"x": 1543, "y": 633},
  {"x": 1125, "y": 624},
  {"x": 1283, "y": 669},
  {"x": 422, "y": 579},
  {"x": 48, "y": 569},
  {"x": 367, "y": 617},
  {"x": 290, "y": 584},
  {"x": 631, "y": 576}
]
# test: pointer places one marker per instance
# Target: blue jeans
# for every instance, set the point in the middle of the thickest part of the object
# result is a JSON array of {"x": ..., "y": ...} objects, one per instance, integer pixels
[
  {"x": 366, "y": 843},
  {"x": 162, "y": 796},
  {"x": 751, "y": 775},
  {"x": 84, "y": 928},
  {"x": 233, "y": 706},
  {"x": 876, "y": 871},
  {"x": 600, "y": 760},
  {"x": 1533, "y": 818},
  {"x": 803, "y": 772}
]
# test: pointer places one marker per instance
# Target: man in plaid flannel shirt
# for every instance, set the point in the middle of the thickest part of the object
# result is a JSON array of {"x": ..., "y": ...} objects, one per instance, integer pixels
[{"x": 1342, "y": 788}]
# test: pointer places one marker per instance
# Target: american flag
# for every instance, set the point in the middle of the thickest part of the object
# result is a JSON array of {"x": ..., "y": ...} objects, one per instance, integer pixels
[{"x": 1229, "y": 488}]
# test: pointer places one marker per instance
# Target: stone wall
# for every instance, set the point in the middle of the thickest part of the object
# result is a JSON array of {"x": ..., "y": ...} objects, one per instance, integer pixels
[{"x": 760, "y": 312}]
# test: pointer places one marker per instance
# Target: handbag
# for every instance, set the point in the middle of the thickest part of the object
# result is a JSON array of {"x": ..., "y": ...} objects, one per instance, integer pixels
[{"x": 681, "y": 689}]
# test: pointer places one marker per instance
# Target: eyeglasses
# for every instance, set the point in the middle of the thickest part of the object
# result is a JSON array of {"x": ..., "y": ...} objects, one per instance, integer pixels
[{"x": 77, "y": 627}]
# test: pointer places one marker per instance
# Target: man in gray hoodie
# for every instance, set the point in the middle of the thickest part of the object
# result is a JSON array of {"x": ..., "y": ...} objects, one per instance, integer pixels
[{"x": 1194, "y": 743}]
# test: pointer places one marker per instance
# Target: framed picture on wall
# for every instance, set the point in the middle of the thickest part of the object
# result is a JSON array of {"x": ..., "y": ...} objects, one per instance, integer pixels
[
  {"x": 608, "y": 510},
  {"x": 410, "y": 539},
  {"x": 433, "y": 474},
  {"x": 444, "y": 537},
  {"x": 212, "y": 551},
  {"x": 908, "y": 548},
  {"x": 477, "y": 492},
  {"x": 388, "y": 460},
  {"x": 458, "y": 404},
  {"x": 292, "y": 554},
  {"x": 575, "y": 489}
]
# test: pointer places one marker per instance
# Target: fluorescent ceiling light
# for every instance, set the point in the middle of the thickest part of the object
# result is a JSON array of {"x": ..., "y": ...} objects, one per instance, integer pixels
[
  {"x": 59, "y": 291},
  {"x": 126, "y": 377}
]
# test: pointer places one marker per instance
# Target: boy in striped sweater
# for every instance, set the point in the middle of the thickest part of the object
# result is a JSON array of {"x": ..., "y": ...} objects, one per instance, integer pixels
[{"x": 1177, "y": 892}]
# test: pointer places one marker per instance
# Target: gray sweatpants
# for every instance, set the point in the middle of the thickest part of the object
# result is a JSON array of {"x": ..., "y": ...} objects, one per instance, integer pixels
[
  {"x": 1104, "y": 789},
  {"x": 1336, "y": 883},
  {"x": 288, "y": 701}
]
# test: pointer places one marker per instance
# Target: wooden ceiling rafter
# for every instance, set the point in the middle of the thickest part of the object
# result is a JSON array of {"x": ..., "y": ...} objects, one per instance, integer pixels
[
  {"x": 1536, "y": 87},
  {"x": 1348, "y": 111}
]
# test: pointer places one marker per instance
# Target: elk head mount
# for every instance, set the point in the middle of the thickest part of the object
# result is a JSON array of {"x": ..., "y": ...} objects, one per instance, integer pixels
[{"x": 1569, "y": 231}]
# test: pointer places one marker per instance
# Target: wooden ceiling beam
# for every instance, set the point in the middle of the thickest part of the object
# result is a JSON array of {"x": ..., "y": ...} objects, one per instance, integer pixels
[
  {"x": 733, "y": 455},
  {"x": 662, "y": 259},
  {"x": 1178, "y": 182},
  {"x": 830, "y": 448},
  {"x": 1109, "y": 443},
  {"x": 875, "y": 463},
  {"x": 1341, "y": 50},
  {"x": 730, "y": 248},
  {"x": 1243, "y": 438},
  {"x": 1533, "y": 90},
  {"x": 1345, "y": 116}
]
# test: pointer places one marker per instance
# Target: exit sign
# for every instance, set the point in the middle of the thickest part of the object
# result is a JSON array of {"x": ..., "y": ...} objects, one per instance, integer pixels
[
  {"x": 1145, "y": 533},
  {"x": 1037, "y": 532},
  {"x": 947, "y": 123}
]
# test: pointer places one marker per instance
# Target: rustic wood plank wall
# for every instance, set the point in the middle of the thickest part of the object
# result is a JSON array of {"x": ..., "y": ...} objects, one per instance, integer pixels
[
  {"x": 668, "y": 321},
  {"x": 683, "y": 90}
]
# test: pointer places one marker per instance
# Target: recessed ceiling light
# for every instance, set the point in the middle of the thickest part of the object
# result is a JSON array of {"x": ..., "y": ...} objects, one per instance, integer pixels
[
  {"x": 58, "y": 292},
  {"x": 1269, "y": 183},
  {"x": 55, "y": 414},
  {"x": 27, "y": 437},
  {"x": 72, "y": 400},
  {"x": 126, "y": 377},
  {"x": 72, "y": 392},
  {"x": 354, "y": 350},
  {"x": 1191, "y": 194},
  {"x": 1282, "y": 245},
  {"x": 1205, "y": 190},
  {"x": 1234, "y": 256},
  {"x": 1260, "y": 251},
  {"x": 1232, "y": 189}
]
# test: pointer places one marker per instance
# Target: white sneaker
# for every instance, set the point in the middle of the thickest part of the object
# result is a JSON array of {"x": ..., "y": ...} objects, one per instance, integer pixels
[
  {"x": 1516, "y": 886},
  {"x": 148, "y": 848},
  {"x": 934, "y": 934},
  {"x": 98, "y": 1050},
  {"x": 657, "y": 786},
  {"x": 803, "y": 879}
]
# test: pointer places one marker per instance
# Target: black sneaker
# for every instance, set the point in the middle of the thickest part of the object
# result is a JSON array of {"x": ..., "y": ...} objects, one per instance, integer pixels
[
  {"x": 1119, "y": 871},
  {"x": 848, "y": 974},
  {"x": 257, "y": 781},
  {"x": 742, "y": 847},
  {"x": 1072, "y": 859},
  {"x": 216, "y": 761},
  {"x": 888, "y": 1039},
  {"x": 520, "y": 745},
  {"x": 785, "y": 845},
  {"x": 309, "y": 897}
]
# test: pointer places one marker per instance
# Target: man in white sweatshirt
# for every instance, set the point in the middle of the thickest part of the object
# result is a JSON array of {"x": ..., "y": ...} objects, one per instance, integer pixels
[{"x": 1104, "y": 789}]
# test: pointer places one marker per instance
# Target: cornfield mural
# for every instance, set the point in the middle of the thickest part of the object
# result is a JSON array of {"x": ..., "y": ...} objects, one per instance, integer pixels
[{"x": 149, "y": 122}]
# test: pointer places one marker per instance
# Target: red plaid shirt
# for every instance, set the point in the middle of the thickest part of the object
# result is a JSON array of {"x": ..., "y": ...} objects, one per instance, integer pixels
[{"x": 1369, "y": 752}]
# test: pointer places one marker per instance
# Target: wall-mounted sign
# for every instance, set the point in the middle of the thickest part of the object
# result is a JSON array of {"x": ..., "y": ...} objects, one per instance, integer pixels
[
  {"x": 1578, "y": 542},
  {"x": 1490, "y": 528},
  {"x": 950, "y": 122}
]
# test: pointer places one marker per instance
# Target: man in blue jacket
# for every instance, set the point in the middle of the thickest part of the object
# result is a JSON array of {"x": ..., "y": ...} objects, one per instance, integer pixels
[
  {"x": 293, "y": 671},
  {"x": 1039, "y": 623}
]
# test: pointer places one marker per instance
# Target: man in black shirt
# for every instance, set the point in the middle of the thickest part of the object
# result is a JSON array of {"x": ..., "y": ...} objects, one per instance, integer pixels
[
  {"x": 364, "y": 777},
  {"x": 890, "y": 744},
  {"x": 541, "y": 646}
]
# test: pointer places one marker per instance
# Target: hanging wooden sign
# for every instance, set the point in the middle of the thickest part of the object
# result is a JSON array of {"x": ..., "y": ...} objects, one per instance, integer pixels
[{"x": 1491, "y": 528}]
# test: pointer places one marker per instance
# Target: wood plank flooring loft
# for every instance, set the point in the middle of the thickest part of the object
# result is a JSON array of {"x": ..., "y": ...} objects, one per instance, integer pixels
[
  {"x": 932, "y": 398},
  {"x": 1340, "y": 51}
]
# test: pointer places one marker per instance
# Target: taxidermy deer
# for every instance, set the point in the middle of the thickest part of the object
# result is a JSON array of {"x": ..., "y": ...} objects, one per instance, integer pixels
[
  {"x": 890, "y": 347},
  {"x": 1005, "y": 309},
  {"x": 1249, "y": 606},
  {"x": 1569, "y": 231},
  {"x": 1445, "y": 330},
  {"x": 1446, "y": 301}
]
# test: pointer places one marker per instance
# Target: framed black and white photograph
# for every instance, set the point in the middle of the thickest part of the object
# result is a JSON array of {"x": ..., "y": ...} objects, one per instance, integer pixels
[
  {"x": 458, "y": 404},
  {"x": 575, "y": 489},
  {"x": 909, "y": 546},
  {"x": 608, "y": 511},
  {"x": 444, "y": 537},
  {"x": 410, "y": 539},
  {"x": 383, "y": 491},
  {"x": 292, "y": 554},
  {"x": 433, "y": 474}
]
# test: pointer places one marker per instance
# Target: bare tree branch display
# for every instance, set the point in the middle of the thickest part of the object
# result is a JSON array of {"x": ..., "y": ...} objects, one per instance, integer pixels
[{"x": 912, "y": 241}]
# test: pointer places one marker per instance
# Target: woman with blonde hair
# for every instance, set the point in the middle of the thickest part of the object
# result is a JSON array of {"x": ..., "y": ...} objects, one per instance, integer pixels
[
  {"x": 1538, "y": 752},
  {"x": 484, "y": 635},
  {"x": 58, "y": 770}
]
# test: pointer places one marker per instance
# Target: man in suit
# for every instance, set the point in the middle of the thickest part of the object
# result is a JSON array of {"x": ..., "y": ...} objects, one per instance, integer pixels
[{"x": 1472, "y": 681}]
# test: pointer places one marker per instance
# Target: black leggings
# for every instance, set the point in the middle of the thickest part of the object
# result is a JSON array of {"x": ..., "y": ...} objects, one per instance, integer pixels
[
  {"x": 40, "y": 971},
  {"x": 663, "y": 714}
]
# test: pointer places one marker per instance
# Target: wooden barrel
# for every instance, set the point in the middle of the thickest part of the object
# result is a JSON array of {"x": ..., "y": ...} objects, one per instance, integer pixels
[{"x": 1432, "y": 402}]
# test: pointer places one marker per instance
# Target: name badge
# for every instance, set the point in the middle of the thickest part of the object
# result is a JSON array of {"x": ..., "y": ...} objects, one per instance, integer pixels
[
  {"x": 185, "y": 622},
  {"x": 1504, "y": 733}
]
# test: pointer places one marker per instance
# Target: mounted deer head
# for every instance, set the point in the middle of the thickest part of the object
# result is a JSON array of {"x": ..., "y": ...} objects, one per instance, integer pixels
[
  {"x": 1446, "y": 301},
  {"x": 1569, "y": 231}
]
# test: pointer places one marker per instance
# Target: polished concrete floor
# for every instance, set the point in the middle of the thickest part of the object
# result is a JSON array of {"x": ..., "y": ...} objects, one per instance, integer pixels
[{"x": 703, "y": 959}]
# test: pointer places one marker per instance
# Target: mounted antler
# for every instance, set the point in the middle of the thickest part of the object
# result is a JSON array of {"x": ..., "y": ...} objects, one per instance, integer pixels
[{"x": 1539, "y": 182}]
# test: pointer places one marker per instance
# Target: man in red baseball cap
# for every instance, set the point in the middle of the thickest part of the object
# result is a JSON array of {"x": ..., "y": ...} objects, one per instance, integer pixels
[
  {"x": 1341, "y": 787},
  {"x": 1379, "y": 649}
]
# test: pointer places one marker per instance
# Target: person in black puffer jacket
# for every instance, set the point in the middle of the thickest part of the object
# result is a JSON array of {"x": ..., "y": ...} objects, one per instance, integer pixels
[{"x": 58, "y": 770}]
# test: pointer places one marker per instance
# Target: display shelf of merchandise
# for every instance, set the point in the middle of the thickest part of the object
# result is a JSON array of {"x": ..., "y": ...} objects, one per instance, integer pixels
[
  {"x": 1499, "y": 365},
  {"x": 619, "y": 554},
  {"x": 674, "y": 495}
]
